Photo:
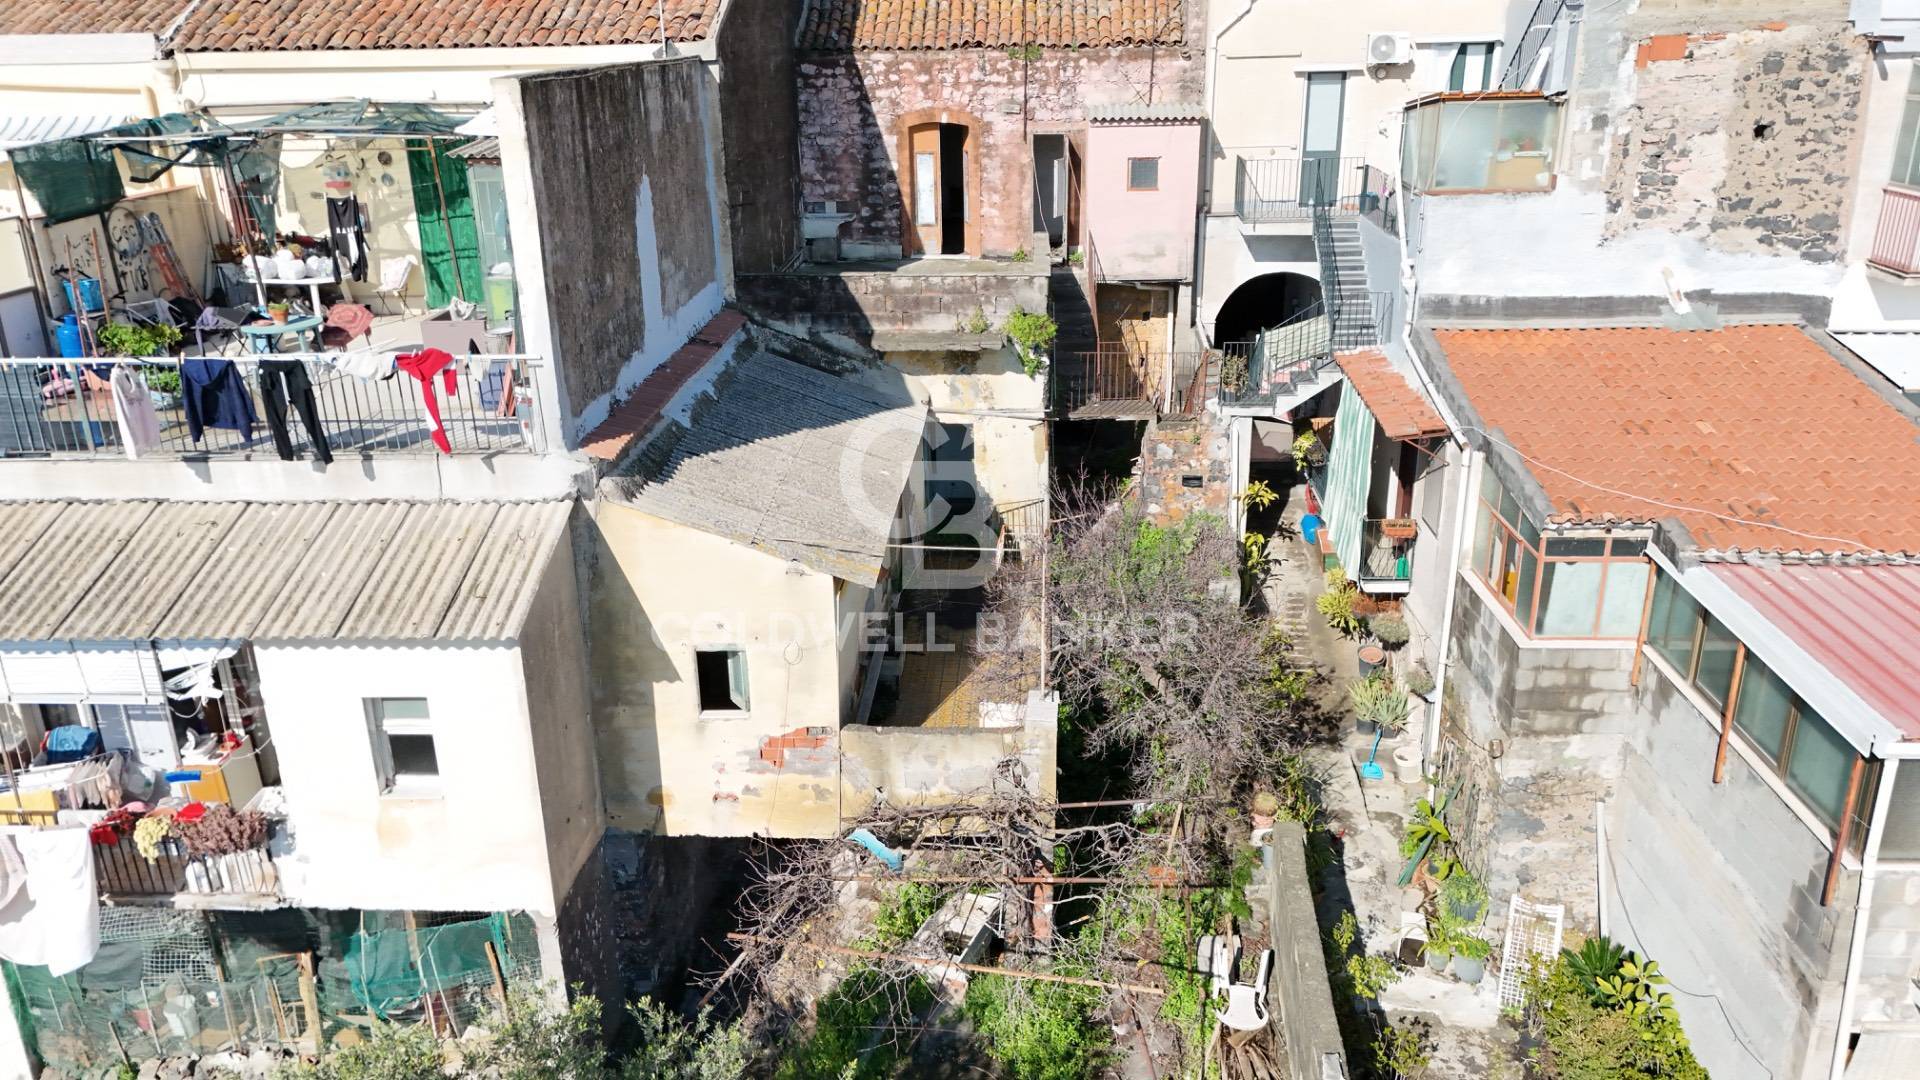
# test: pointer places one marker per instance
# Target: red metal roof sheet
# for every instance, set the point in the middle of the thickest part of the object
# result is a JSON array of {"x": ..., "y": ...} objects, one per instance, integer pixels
[
  {"x": 1860, "y": 622},
  {"x": 1753, "y": 436}
]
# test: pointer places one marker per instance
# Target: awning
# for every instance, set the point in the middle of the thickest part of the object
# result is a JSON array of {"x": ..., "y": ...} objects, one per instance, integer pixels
[
  {"x": 359, "y": 118},
  {"x": 21, "y": 131},
  {"x": 140, "y": 573},
  {"x": 1403, "y": 411}
]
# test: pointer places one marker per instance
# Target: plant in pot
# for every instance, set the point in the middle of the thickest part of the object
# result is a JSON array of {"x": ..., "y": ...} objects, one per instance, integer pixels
[
  {"x": 1336, "y": 606},
  {"x": 1391, "y": 631},
  {"x": 1418, "y": 679},
  {"x": 1379, "y": 705},
  {"x": 1470, "y": 952},
  {"x": 1032, "y": 334},
  {"x": 1266, "y": 807},
  {"x": 1463, "y": 897},
  {"x": 129, "y": 339},
  {"x": 1427, "y": 843},
  {"x": 277, "y": 311}
]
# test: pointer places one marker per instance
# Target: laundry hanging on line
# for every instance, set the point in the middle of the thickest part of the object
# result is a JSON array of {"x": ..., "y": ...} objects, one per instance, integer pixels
[
  {"x": 214, "y": 395},
  {"x": 286, "y": 382},
  {"x": 424, "y": 365},
  {"x": 347, "y": 229},
  {"x": 133, "y": 407}
]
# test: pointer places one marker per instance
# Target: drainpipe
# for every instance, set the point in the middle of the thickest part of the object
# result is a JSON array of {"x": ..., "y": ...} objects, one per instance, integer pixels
[
  {"x": 1461, "y": 527},
  {"x": 1856, "y": 950}
]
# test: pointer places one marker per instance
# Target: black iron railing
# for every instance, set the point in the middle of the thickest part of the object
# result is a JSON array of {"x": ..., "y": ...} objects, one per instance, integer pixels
[
  {"x": 1275, "y": 189},
  {"x": 1386, "y": 550}
]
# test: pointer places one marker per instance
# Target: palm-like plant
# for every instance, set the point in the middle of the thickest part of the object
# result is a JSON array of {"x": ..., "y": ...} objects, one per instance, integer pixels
[{"x": 1597, "y": 958}]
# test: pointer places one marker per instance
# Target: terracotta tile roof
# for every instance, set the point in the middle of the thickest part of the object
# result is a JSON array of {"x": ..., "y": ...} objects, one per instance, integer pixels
[
  {"x": 88, "y": 16},
  {"x": 262, "y": 25},
  {"x": 1402, "y": 411},
  {"x": 1757, "y": 423},
  {"x": 633, "y": 417},
  {"x": 968, "y": 24}
]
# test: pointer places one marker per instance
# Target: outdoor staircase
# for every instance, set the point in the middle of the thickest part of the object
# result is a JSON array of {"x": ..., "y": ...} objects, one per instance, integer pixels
[
  {"x": 1356, "y": 323},
  {"x": 1079, "y": 391}
]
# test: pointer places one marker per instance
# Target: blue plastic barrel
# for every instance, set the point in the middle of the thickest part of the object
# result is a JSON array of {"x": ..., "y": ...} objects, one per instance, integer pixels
[
  {"x": 90, "y": 296},
  {"x": 1310, "y": 528},
  {"x": 68, "y": 335}
]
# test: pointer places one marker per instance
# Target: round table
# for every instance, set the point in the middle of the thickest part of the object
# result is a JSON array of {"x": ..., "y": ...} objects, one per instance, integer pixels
[{"x": 263, "y": 338}]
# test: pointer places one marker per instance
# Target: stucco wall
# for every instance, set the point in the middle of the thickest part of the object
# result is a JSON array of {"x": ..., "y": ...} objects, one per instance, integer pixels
[
  {"x": 630, "y": 255},
  {"x": 1143, "y": 235},
  {"x": 909, "y": 766},
  {"x": 480, "y": 845},
  {"x": 772, "y": 772},
  {"x": 853, "y": 107},
  {"x": 385, "y": 190},
  {"x": 1231, "y": 256},
  {"x": 1010, "y": 452},
  {"x": 1721, "y": 884}
]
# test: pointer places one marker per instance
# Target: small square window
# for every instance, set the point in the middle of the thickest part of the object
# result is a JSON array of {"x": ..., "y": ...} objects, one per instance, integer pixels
[
  {"x": 403, "y": 748},
  {"x": 1143, "y": 174},
  {"x": 722, "y": 678}
]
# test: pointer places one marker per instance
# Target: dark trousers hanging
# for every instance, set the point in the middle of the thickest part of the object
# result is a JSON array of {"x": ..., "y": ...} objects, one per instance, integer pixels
[{"x": 284, "y": 381}]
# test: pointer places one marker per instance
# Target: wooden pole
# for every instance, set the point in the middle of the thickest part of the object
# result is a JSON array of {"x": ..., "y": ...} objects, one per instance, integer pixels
[
  {"x": 1845, "y": 835},
  {"x": 41, "y": 298},
  {"x": 1726, "y": 713},
  {"x": 310, "y": 1002},
  {"x": 1640, "y": 639},
  {"x": 982, "y": 969},
  {"x": 499, "y": 980},
  {"x": 446, "y": 224}
]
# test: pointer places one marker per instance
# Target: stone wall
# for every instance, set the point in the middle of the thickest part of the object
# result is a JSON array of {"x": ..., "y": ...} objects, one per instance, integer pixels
[
  {"x": 854, "y": 108},
  {"x": 858, "y": 303},
  {"x": 758, "y": 115},
  {"x": 1743, "y": 137},
  {"x": 1186, "y": 467}
]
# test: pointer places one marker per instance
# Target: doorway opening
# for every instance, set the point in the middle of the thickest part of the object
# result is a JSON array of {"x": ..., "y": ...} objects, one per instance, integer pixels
[
  {"x": 1050, "y": 188},
  {"x": 940, "y": 200}
]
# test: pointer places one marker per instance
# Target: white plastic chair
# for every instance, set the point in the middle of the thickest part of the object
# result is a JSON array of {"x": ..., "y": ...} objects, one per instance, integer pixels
[
  {"x": 394, "y": 275},
  {"x": 1247, "y": 1002}
]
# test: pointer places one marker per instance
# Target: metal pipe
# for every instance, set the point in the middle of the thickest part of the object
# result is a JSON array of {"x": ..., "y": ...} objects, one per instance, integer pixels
[{"x": 1862, "y": 909}]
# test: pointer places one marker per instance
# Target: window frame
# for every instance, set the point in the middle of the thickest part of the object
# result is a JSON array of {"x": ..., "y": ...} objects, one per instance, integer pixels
[
  {"x": 736, "y": 655},
  {"x": 1135, "y": 162},
  {"x": 1505, "y": 537},
  {"x": 1908, "y": 133},
  {"x": 1460, "y": 60},
  {"x": 381, "y": 729}
]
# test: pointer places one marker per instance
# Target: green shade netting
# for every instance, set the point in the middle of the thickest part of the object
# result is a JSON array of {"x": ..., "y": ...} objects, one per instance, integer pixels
[
  {"x": 450, "y": 273},
  {"x": 70, "y": 179}
]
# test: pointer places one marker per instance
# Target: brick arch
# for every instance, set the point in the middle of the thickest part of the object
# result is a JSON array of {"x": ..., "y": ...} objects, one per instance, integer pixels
[{"x": 909, "y": 235}]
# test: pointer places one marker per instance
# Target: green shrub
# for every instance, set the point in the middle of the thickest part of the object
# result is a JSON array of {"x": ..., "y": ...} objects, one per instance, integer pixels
[
  {"x": 533, "y": 1039},
  {"x": 1336, "y": 606},
  {"x": 673, "y": 1049},
  {"x": 1034, "y": 334},
  {"x": 1044, "y": 1030},
  {"x": 393, "y": 1052},
  {"x": 1418, "y": 680},
  {"x": 1584, "y": 1039},
  {"x": 901, "y": 912},
  {"x": 1389, "y": 630},
  {"x": 129, "y": 339},
  {"x": 856, "y": 1029},
  {"x": 1380, "y": 701}
]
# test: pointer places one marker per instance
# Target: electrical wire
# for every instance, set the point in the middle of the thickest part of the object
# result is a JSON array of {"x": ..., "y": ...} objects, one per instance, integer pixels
[
  {"x": 1739, "y": 1037},
  {"x": 1679, "y": 507}
]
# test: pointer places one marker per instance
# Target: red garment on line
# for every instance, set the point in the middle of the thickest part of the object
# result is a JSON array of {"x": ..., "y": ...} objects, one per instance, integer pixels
[{"x": 423, "y": 365}]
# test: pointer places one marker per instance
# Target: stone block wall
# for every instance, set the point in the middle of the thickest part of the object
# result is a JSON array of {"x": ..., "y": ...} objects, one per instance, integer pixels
[
  {"x": 1891, "y": 961},
  {"x": 909, "y": 766},
  {"x": 1176, "y": 454},
  {"x": 853, "y": 108},
  {"x": 857, "y": 303}
]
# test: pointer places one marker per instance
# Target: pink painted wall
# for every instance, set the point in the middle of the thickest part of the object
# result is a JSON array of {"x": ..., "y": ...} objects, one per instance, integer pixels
[{"x": 1143, "y": 235}]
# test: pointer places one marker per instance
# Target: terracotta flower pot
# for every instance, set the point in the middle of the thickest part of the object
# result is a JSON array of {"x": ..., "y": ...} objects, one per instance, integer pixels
[
  {"x": 279, "y": 317},
  {"x": 1371, "y": 657}
]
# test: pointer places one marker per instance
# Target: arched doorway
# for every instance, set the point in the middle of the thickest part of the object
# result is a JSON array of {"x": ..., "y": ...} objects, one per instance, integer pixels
[
  {"x": 939, "y": 182},
  {"x": 1264, "y": 302}
]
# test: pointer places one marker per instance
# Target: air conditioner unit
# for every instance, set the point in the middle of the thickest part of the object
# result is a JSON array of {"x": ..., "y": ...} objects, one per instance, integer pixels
[{"x": 1389, "y": 47}]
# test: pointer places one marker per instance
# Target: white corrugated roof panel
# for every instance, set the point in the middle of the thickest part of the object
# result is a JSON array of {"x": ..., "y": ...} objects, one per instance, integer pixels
[
  {"x": 53, "y": 577},
  {"x": 21, "y": 131},
  {"x": 136, "y": 590},
  {"x": 411, "y": 589}
]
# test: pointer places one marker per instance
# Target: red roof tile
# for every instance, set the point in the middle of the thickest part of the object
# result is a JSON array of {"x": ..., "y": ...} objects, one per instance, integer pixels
[
  {"x": 263, "y": 25},
  {"x": 1402, "y": 411},
  {"x": 1845, "y": 617},
  {"x": 88, "y": 16},
  {"x": 633, "y": 417},
  {"x": 968, "y": 24},
  {"x": 1750, "y": 422}
]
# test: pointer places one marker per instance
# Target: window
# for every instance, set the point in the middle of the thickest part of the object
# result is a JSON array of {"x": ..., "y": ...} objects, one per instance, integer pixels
[
  {"x": 1480, "y": 144},
  {"x": 1143, "y": 174},
  {"x": 722, "y": 677},
  {"x": 1819, "y": 765},
  {"x": 1586, "y": 586},
  {"x": 1472, "y": 67},
  {"x": 403, "y": 750},
  {"x": 1906, "y": 152},
  {"x": 1765, "y": 710}
]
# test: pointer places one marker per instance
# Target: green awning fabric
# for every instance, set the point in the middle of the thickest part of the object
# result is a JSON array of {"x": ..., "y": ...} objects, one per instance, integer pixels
[
  {"x": 443, "y": 208},
  {"x": 70, "y": 179},
  {"x": 361, "y": 117}
]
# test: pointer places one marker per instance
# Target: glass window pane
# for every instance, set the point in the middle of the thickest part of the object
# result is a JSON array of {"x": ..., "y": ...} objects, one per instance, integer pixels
[
  {"x": 1629, "y": 546},
  {"x": 1482, "y": 538},
  {"x": 1905, "y": 163},
  {"x": 1143, "y": 173},
  {"x": 924, "y": 203},
  {"x": 413, "y": 755},
  {"x": 1626, "y": 594},
  {"x": 402, "y": 708},
  {"x": 1715, "y": 676},
  {"x": 1578, "y": 547},
  {"x": 1761, "y": 714},
  {"x": 1900, "y": 836},
  {"x": 1523, "y": 591},
  {"x": 1675, "y": 618},
  {"x": 1509, "y": 507},
  {"x": 1819, "y": 765},
  {"x": 1457, "y": 78},
  {"x": 1569, "y": 592},
  {"x": 1490, "y": 486}
]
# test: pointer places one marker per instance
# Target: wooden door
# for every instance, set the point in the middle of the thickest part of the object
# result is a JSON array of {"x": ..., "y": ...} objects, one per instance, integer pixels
[{"x": 923, "y": 189}]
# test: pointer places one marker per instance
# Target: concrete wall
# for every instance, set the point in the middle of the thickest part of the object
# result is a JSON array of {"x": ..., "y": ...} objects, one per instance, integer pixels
[
  {"x": 990, "y": 392},
  {"x": 479, "y": 845},
  {"x": 664, "y": 768},
  {"x": 758, "y": 116},
  {"x": 1683, "y": 846},
  {"x": 266, "y": 477},
  {"x": 1303, "y": 995},
  {"x": 1891, "y": 961},
  {"x": 622, "y": 261},
  {"x": 1730, "y": 168},
  {"x": 1232, "y": 256},
  {"x": 854, "y": 108},
  {"x": 854, "y": 304},
  {"x": 929, "y": 766},
  {"x": 1142, "y": 235},
  {"x": 1865, "y": 299}
]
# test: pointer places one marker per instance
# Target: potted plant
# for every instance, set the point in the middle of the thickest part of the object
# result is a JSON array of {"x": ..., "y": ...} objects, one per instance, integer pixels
[
  {"x": 1336, "y": 606},
  {"x": 1463, "y": 896},
  {"x": 277, "y": 311},
  {"x": 1470, "y": 952},
  {"x": 1378, "y": 705},
  {"x": 129, "y": 339},
  {"x": 1438, "y": 949},
  {"x": 1266, "y": 807},
  {"x": 1418, "y": 680},
  {"x": 1391, "y": 631},
  {"x": 1399, "y": 528},
  {"x": 1032, "y": 335},
  {"x": 1406, "y": 763},
  {"x": 1371, "y": 657}
]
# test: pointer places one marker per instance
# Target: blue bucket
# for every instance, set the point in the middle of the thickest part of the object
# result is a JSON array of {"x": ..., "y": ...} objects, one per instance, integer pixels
[
  {"x": 90, "y": 297},
  {"x": 67, "y": 334},
  {"x": 1310, "y": 528}
]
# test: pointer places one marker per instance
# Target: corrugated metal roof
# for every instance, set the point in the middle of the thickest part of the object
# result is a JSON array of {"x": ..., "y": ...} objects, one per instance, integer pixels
[
  {"x": 411, "y": 590},
  {"x": 484, "y": 149},
  {"x": 53, "y": 577},
  {"x": 134, "y": 593},
  {"x": 21, "y": 131},
  {"x": 1859, "y": 622},
  {"x": 134, "y": 570},
  {"x": 493, "y": 596},
  {"x": 792, "y": 461},
  {"x": 245, "y": 573},
  {"x": 1165, "y": 112}
]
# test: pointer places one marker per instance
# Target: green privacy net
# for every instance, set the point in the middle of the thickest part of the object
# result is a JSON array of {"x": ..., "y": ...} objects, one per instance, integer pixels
[
  {"x": 169, "y": 983},
  {"x": 70, "y": 179}
]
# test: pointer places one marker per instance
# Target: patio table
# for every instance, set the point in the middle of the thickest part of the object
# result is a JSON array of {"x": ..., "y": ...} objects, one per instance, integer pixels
[{"x": 264, "y": 338}]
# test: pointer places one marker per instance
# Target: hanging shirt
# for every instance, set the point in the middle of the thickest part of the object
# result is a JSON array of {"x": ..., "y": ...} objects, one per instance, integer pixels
[
  {"x": 363, "y": 365},
  {"x": 214, "y": 394},
  {"x": 346, "y": 228},
  {"x": 55, "y": 919},
  {"x": 424, "y": 365},
  {"x": 133, "y": 405}
]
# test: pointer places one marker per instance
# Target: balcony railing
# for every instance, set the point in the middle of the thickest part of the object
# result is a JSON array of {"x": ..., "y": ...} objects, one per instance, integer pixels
[
  {"x": 1278, "y": 361},
  {"x": 1386, "y": 551},
  {"x": 1896, "y": 241},
  {"x": 56, "y": 408},
  {"x": 1275, "y": 189},
  {"x": 121, "y": 872}
]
